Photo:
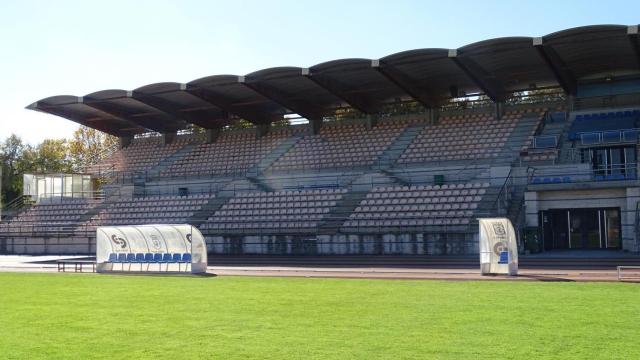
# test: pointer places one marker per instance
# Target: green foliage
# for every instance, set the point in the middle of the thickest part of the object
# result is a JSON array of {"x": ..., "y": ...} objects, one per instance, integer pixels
[
  {"x": 51, "y": 156},
  {"x": 88, "y": 146},
  {"x": 54, "y": 316},
  {"x": 240, "y": 124},
  {"x": 11, "y": 161}
]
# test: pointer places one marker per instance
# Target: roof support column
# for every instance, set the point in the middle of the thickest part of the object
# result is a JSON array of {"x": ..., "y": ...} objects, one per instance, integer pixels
[
  {"x": 571, "y": 102},
  {"x": 213, "y": 135},
  {"x": 499, "y": 108},
  {"x": 124, "y": 141},
  {"x": 316, "y": 125},
  {"x": 634, "y": 41},
  {"x": 168, "y": 137},
  {"x": 262, "y": 129},
  {"x": 432, "y": 116},
  {"x": 372, "y": 121}
]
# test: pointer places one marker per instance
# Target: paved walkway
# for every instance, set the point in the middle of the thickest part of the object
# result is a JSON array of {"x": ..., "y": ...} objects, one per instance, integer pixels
[{"x": 18, "y": 263}]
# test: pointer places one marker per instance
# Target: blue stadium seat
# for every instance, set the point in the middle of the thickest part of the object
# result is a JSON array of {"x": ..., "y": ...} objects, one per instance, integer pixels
[
  {"x": 186, "y": 259},
  {"x": 131, "y": 258},
  {"x": 113, "y": 258},
  {"x": 148, "y": 257},
  {"x": 566, "y": 179}
]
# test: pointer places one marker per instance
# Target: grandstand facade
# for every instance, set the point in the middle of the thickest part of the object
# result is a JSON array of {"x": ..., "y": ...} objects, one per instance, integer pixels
[{"x": 398, "y": 155}]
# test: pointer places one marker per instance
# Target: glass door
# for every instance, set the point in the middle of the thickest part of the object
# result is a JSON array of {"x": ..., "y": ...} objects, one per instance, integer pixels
[{"x": 611, "y": 224}]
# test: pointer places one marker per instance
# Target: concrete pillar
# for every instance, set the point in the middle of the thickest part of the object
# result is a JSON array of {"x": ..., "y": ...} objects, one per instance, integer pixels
[
  {"x": 124, "y": 141},
  {"x": 168, "y": 137},
  {"x": 571, "y": 102},
  {"x": 262, "y": 129},
  {"x": 499, "y": 109},
  {"x": 213, "y": 134},
  {"x": 432, "y": 116},
  {"x": 316, "y": 125},
  {"x": 372, "y": 121}
]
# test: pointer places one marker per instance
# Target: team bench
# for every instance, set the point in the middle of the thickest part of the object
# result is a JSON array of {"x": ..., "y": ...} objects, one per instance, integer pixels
[
  {"x": 150, "y": 258},
  {"x": 77, "y": 264}
]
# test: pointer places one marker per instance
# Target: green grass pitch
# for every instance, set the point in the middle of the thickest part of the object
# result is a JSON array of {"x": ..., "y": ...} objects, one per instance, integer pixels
[{"x": 56, "y": 316}]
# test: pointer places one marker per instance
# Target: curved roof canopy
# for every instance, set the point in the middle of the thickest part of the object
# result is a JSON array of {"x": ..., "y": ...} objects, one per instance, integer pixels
[{"x": 495, "y": 67}]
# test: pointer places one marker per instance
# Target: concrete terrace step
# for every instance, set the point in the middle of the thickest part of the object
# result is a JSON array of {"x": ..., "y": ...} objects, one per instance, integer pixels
[
  {"x": 277, "y": 153},
  {"x": 334, "y": 220},
  {"x": 399, "y": 145},
  {"x": 156, "y": 171}
]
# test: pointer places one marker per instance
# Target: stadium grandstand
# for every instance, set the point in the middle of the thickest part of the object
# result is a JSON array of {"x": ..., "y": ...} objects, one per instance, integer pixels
[{"x": 397, "y": 155}]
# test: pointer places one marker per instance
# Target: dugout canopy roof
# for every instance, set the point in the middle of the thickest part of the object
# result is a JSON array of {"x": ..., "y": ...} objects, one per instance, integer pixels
[
  {"x": 150, "y": 248},
  {"x": 495, "y": 67}
]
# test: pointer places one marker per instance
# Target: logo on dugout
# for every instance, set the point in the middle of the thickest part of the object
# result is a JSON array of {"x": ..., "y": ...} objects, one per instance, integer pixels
[
  {"x": 499, "y": 229},
  {"x": 122, "y": 243},
  {"x": 500, "y": 247},
  {"x": 155, "y": 242}
]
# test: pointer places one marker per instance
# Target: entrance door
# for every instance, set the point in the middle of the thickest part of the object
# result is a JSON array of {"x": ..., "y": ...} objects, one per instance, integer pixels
[
  {"x": 555, "y": 224},
  {"x": 581, "y": 228}
]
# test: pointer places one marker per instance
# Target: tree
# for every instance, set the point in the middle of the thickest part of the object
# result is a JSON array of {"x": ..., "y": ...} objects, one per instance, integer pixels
[
  {"x": 88, "y": 146},
  {"x": 11, "y": 152},
  {"x": 50, "y": 156}
]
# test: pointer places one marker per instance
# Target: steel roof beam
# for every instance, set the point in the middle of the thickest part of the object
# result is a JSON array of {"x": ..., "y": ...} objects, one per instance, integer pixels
[
  {"x": 211, "y": 97},
  {"x": 166, "y": 107},
  {"x": 402, "y": 81},
  {"x": 117, "y": 111},
  {"x": 300, "y": 107},
  {"x": 341, "y": 91},
  {"x": 634, "y": 41},
  {"x": 560, "y": 71},
  {"x": 95, "y": 123},
  {"x": 478, "y": 75}
]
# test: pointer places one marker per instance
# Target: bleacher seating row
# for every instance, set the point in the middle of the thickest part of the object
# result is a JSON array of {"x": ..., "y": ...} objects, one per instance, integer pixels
[
  {"x": 231, "y": 153},
  {"x": 154, "y": 209},
  {"x": 349, "y": 145},
  {"x": 275, "y": 210},
  {"x": 476, "y": 136}
]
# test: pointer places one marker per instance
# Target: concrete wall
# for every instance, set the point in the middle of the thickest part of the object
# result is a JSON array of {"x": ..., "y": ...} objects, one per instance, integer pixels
[{"x": 347, "y": 244}]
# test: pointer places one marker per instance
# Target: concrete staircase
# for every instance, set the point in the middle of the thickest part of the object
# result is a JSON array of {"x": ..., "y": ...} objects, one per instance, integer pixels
[
  {"x": 274, "y": 155},
  {"x": 399, "y": 145},
  {"x": 487, "y": 206},
  {"x": 155, "y": 171},
  {"x": 516, "y": 207},
  {"x": 338, "y": 215},
  {"x": 214, "y": 204},
  {"x": 511, "y": 149},
  {"x": 259, "y": 183}
]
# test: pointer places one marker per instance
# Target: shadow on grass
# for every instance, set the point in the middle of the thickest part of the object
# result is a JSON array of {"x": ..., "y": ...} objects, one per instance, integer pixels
[{"x": 546, "y": 278}]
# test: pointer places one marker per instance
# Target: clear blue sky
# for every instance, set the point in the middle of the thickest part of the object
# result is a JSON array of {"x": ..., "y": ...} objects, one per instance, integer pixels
[{"x": 77, "y": 47}]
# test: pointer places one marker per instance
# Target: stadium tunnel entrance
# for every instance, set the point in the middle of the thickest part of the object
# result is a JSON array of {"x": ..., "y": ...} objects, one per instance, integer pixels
[{"x": 587, "y": 228}]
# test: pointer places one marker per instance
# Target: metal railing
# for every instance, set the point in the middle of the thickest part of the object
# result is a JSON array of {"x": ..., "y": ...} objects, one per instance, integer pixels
[
  {"x": 609, "y": 137},
  {"x": 544, "y": 142},
  {"x": 619, "y": 172},
  {"x": 607, "y": 101}
]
